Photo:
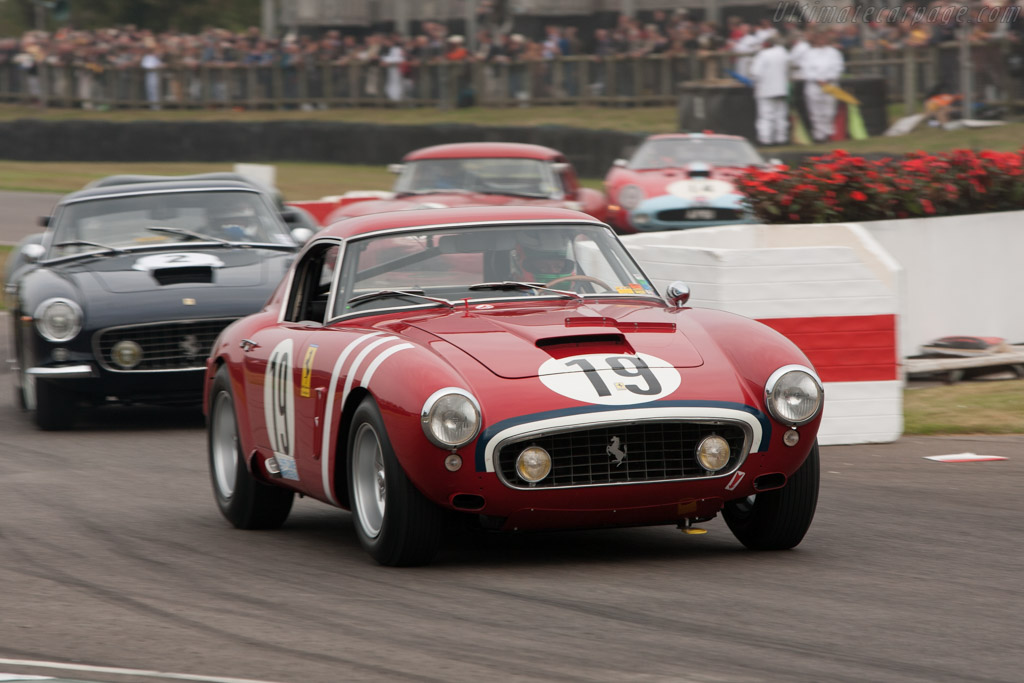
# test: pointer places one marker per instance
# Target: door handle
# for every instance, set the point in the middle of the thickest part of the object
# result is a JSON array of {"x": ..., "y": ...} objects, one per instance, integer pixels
[{"x": 248, "y": 345}]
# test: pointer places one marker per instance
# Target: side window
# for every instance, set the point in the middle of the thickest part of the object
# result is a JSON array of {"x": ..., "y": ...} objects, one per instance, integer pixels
[{"x": 311, "y": 288}]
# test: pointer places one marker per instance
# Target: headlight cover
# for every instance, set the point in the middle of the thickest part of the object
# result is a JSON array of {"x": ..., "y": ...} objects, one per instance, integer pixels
[
  {"x": 58, "y": 320},
  {"x": 450, "y": 417},
  {"x": 630, "y": 197},
  {"x": 794, "y": 395}
]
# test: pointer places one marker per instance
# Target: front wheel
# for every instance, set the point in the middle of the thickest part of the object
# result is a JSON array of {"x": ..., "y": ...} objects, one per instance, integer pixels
[
  {"x": 394, "y": 522},
  {"x": 777, "y": 520},
  {"x": 244, "y": 501}
]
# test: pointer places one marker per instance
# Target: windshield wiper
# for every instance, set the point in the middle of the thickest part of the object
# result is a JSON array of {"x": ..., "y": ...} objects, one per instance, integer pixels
[
  {"x": 509, "y": 193},
  {"x": 193, "y": 235},
  {"x": 418, "y": 293},
  {"x": 434, "y": 190},
  {"x": 523, "y": 285},
  {"x": 87, "y": 243}
]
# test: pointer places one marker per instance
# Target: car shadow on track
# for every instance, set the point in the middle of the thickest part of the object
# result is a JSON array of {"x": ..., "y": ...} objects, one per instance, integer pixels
[
  {"x": 472, "y": 548},
  {"x": 135, "y": 418}
]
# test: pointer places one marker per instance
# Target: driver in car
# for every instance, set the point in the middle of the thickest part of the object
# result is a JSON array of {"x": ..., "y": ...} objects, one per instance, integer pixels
[{"x": 543, "y": 263}]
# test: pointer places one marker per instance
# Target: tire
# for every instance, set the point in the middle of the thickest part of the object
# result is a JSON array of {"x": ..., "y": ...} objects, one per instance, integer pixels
[
  {"x": 777, "y": 520},
  {"x": 244, "y": 501},
  {"x": 54, "y": 406},
  {"x": 394, "y": 522}
]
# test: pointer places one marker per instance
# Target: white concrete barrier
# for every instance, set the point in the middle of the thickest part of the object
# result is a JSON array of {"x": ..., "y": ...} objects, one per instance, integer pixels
[
  {"x": 831, "y": 288},
  {"x": 963, "y": 275}
]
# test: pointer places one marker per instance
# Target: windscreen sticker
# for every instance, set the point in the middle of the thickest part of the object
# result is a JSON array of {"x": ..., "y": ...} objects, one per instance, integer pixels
[
  {"x": 608, "y": 379},
  {"x": 279, "y": 407},
  {"x": 176, "y": 260}
]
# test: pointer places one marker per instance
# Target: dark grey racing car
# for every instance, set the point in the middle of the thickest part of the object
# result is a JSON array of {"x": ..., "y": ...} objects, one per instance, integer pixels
[{"x": 130, "y": 285}]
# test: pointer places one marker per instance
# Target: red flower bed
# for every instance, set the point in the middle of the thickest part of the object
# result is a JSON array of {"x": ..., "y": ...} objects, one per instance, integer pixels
[{"x": 840, "y": 187}]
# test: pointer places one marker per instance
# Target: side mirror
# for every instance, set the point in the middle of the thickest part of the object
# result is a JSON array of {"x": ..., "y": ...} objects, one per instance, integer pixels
[
  {"x": 44, "y": 221},
  {"x": 678, "y": 293},
  {"x": 620, "y": 163},
  {"x": 396, "y": 168},
  {"x": 301, "y": 235},
  {"x": 32, "y": 252},
  {"x": 775, "y": 161}
]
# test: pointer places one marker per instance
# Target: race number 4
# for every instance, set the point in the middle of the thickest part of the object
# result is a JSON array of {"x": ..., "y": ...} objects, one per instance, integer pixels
[
  {"x": 610, "y": 379},
  {"x": 279, "y": 406}
]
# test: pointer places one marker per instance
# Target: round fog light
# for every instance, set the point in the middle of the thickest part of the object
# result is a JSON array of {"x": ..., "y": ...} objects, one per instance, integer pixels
[
  {"x": 60, "y": 354},
  {"x": 791, "y": 437},
  {"x": 126, "y": 354},
  {"x": 533, "y": 464},
  {"x": 452, "y": 463},
  {"x": 713, "y": 453}
]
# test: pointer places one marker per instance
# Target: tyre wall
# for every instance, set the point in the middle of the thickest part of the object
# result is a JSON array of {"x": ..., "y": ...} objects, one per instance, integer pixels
[{"x": 590, "y": 151}]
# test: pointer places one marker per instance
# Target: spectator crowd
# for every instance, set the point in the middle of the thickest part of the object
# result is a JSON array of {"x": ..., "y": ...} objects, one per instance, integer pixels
[{"x": 393, "y": 65}]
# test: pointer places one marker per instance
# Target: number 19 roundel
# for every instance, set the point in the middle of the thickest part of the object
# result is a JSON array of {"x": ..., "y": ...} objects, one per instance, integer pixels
[{"x": 610, "y": 379}]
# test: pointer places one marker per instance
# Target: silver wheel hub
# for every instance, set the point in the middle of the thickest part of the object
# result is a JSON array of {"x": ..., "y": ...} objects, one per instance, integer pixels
[
  {"x": 369, "y": 483},
  {"x": 224, "y": 446}
]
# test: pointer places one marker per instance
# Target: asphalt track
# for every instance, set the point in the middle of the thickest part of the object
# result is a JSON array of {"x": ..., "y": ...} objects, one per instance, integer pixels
[{"x": 113, "y": 554}]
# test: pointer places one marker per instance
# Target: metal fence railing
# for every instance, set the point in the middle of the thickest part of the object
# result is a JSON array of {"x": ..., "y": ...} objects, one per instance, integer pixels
[{"x": 909, "y": 73}]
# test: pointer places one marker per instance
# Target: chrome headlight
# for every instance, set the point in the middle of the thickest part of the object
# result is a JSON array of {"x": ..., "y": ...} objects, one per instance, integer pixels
[
  {"x": 450, "y": 417},
  {"x": 630, "y": 196},
  {"x": 793, "y": 395},
  {"x": 58, "y": 320}
]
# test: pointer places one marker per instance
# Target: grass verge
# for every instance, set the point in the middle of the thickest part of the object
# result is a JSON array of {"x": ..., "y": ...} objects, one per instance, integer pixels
[
  {"x": 296, "y": 180},
  {"x": 990, "y": 407}
]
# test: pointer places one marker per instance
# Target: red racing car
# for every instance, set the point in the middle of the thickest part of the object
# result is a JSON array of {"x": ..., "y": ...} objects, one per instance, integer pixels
[
  {"x": 478, "y": 174},
  {"x": 678, "y": 181},
  {"x": 513, "y": 366}
]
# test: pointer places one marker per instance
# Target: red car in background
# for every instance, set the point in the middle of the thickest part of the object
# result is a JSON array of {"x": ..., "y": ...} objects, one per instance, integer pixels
[
  {"x": 473, "y": 174},
  {"x": 680, "y": 181},
  {"x": 514, "y": 366}
]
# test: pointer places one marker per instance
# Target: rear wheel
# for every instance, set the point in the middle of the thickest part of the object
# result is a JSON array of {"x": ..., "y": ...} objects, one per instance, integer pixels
[
  {"x": 245, "y": 501},
  {"x": 394, "y": 522},
  {"x": 777, "y": 520}
]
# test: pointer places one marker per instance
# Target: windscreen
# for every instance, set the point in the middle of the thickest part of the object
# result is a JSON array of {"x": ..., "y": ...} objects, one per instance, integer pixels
[
  {"x": 680, "y": 152},
  {"x": 481, "y": 263},
  {"x": 169, "y": 218},
  {"x": 520, "y": 177}
]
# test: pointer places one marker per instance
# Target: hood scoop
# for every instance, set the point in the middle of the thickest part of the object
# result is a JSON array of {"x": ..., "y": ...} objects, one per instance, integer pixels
[
  {"x": 578, "y": 340},
  {"x": 183, "y": 275}
]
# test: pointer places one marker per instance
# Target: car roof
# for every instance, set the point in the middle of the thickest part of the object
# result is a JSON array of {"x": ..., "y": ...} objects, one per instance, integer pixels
[
  {"x": 158, "y": 187},
  {"x": 133, "y": 178},
  {"x": 478, "y": 150},
  {"x": 695, "y": 136},
  {"x": 392, "y": 220}
]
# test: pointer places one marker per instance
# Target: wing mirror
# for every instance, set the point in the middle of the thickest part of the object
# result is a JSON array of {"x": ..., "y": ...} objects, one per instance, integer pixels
[
  {"x": 678, "y": 293},
  {"x": 301, "y": 235},
  {"x": 32, "y": 252},
  {"x": 43, "y": 221},
  {"x": 620, "y": 163},
  {"x": 396, "y": 168}
]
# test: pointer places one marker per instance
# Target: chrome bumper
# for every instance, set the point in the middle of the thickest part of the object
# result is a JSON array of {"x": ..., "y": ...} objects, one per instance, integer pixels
[{"x": 63, "y": 372}]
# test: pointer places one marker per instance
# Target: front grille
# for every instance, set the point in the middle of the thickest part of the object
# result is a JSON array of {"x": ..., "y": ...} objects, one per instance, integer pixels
[
  {"x": 683, "y": 215},
  {"x": 179, "y": 345},
  {"x": 654, "y": 451}
]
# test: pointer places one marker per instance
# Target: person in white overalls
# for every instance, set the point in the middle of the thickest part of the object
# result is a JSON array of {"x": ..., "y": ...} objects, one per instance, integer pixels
[
  {"x": 770, "y": 72},
  {"x": 821, "y": 65}
]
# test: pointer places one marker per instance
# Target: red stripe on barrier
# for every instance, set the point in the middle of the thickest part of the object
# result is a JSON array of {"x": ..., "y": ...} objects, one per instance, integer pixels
[{"x": 856, "y": 348}]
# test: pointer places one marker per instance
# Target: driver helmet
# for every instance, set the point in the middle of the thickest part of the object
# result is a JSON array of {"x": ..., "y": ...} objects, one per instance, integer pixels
[{"x": 542, "y": 259}]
